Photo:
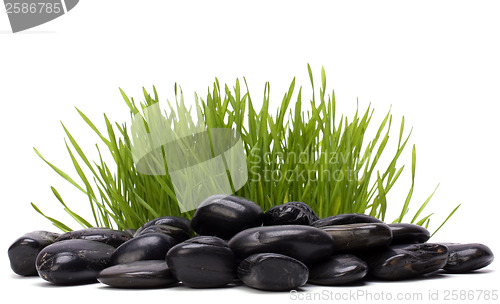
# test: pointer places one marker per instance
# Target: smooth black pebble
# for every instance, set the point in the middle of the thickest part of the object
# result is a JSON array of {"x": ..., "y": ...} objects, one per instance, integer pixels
[
  {"x": 291, "y": 213},
  {"x": 272, "y": 271},
  {"x": 465, "y": 258},
  {"x": 177, "y": 233},
  {"x": 150, "y": 246},
  {"x": 338, "y": 270},
  {"x": 23, "y": 252},
  {"x": 345, "y": 219},
  {"x": 224, "y": 216},
  {"x": 104, "y": 235},
  {"x": 73, "y": 262},
  {"x": 202, "y": 262},
  {"x": 304, "y": 243},
  {"x": 139, "y": 274},
  {"x": 352, "y": 237},
  {"x": 174, "y": 221},
  {"x": 405, "y": 233},
  {"x": 401, "y": 262}
]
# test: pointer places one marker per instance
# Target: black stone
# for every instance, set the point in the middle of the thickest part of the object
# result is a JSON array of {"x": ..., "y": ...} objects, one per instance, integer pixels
[
  {"x": 352, "y": 237},
  {"x": 177, "y": 233},
  {"x": 304, "y": 243},
  {"x": 103, "y": 235},
  {"x": 401, "y": 262},
  {"x": 291, "y": 213},
  {"x": 174, "y": 221},
  {"x": 404, "y": 233},
  {"x": 338, "y": 270},
  {"x": 272, "y": 271},
  {"x": 23, "y": 252},
  {"x": 151, "y": 246},
  {"x": 465, "y": 258},
  {"x": 345, "y": 219},
  {"x": 202, "y": 262},
  {"x": 139, "y": 274},
  {"x": 224, "y": 216},
  {"x": 73, "y": 262}
]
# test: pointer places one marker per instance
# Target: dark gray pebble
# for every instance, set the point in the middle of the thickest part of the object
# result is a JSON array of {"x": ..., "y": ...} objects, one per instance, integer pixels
[
  {"x": 401, "y": 262},
  {"x": 352, "y": 237},
  {"x": 405, "y": 233},
  {"x": 291, "y": 213},
  {"x": 304, "y": 243},
  {"x": 177, "y": 233},
  {"x": 73, "y": 262},
  {"x": 202, "y": 262},
  {"x": 23, "y": 252},
  {"x": 272, "y": 271},
  {"x": 150, "y": 246},
  {"x": 345, "y": 219},
  {"x": 174, "y": 221},
  {"x": 338, "y": 270},
  {"x": 104, "y": 235},
  {"x": 139, "y": 274},
  {"x": 224, "y": 216},
  {"x": 465, "y": 258}
]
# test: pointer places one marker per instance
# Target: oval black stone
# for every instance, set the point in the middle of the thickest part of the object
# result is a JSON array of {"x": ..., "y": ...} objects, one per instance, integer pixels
[
  {"x": 177, "y": 233},
  {"x": 151, "y": 246},
  {"x": 103, "y": 235},
  {"x": 405, "y": 233},
  {"x": 406, "y": 261},
  {"x": 272, "y": 271},
  {"x": 304, "y": 243},
  {"x": 224, "y": 216},
  {"x": 202, "y": 262},
  {"x": 353, "y": 237},
  {"x": 291, "y": 213},
  {"x": 345, "y": 219},
  {"x": 338, "y": 270},
  {"x": 72, "y": 262},
  {"x": 23, "y": 252},
  {"x": 465, "y": 258},
  {"x": 174, "y": 221},
  {"x": 139, "y": 274}
]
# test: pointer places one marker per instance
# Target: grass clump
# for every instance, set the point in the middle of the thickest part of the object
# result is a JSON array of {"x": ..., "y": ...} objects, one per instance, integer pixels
[{"x": 292, "y": 155}]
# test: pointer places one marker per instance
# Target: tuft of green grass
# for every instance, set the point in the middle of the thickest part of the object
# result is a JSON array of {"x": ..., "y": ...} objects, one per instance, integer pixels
[{"x": 292, "y": 155}]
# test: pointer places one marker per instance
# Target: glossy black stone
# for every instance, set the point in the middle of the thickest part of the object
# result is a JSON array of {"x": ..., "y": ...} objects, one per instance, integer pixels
[
  {"x": 103, "y": 235},
  {"x": 345, "y": 219},
  {"x": 465, "y": 258},
  {"x": 224, "y": 216},
  {"x": 353, "y": 237},
  {"x": 338, "y": 270},
  {"x": 150, "y": 246},
  {"x": 72, "y": 262},
  {"x": 177, "y": 233},
  {"x": 202, "y": 262},
  {"x": 174, "y": 221},
  {"x": 401, "y": 262},
  {"x": 23, "y": 252},
  {"x": 291, "y": 213},
  {"x": 406, "y": 233},
  {"x": 304, "y": 243},
  {"x": 139, "y": 274},
  {"x": 272, "y": 271}
]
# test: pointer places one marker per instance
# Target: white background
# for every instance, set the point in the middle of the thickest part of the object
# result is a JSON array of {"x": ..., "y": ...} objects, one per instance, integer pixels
[{"x": 435, "y": 62}]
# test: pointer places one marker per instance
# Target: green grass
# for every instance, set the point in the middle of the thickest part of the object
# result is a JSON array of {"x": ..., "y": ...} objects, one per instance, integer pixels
[{"x": 292, "y": 155}]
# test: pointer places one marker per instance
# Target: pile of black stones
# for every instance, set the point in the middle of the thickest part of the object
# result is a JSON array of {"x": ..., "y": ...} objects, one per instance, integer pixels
[{"x": 230, "y": 240}]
